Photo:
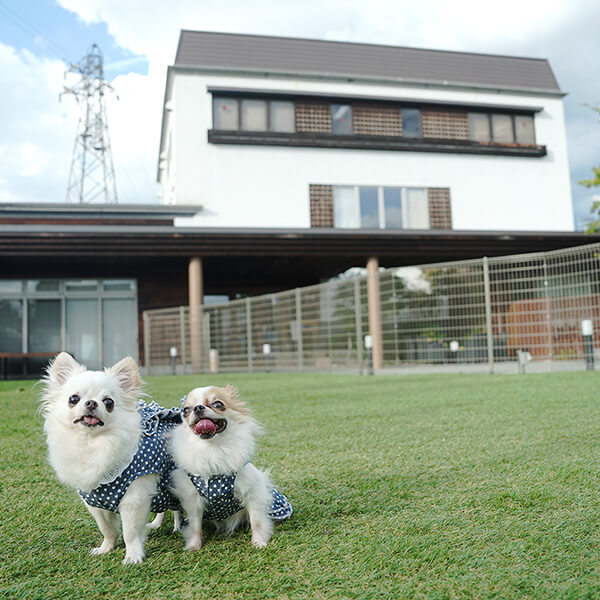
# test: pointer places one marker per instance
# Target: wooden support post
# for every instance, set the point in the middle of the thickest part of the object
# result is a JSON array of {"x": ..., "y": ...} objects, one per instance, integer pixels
[
  {"x": 196, "y": 297},
  {"x": 374, "y": 302}
]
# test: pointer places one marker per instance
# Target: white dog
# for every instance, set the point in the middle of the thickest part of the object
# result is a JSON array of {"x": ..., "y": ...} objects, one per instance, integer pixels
[
  {"x": 110, "y": 446},
  {"x": 214, "y": 479}
]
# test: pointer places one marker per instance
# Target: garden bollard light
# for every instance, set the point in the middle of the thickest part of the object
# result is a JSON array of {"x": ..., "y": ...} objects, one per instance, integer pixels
[
  {"x": 173, "y": 355},
  {"x": 369, "y": 347},
  {"x": 587, "y": 330}
]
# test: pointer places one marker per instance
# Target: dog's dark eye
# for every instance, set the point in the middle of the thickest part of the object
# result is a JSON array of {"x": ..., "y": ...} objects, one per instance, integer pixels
[
  {"x": 109, "y": 403},
  {"x": 218, "y": 405},
  {"x": 187, "y": 410},
  {"x": 73, "y": 400}
]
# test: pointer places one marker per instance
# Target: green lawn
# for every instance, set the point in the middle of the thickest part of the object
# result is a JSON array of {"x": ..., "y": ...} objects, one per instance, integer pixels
[{"x": 446, "y": 486}]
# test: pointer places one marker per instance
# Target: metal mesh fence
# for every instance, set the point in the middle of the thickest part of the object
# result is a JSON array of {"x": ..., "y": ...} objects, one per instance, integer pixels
[{"x": 467, "y": 312}]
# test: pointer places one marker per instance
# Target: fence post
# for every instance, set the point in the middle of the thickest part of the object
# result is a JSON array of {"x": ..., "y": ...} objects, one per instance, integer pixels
[
  {"x": 488, "y": 313},
  {"x": 147, "y": 341},
  {"x": 299, "y": 343},
  {"x": 249, "y": 334},
  {"x": 182, "y": 338},
  {"x": 358, "y": 325}
]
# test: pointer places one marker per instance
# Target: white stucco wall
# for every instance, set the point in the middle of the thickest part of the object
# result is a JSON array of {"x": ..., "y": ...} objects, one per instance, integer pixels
[{"x": 267, "y": 186}]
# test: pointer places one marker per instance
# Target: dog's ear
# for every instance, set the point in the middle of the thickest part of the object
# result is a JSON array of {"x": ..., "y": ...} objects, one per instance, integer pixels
[
  {"x": 232, "y": 392},
  {"x": 63, "y": 367},
  {"x": 127, "y": 373}
]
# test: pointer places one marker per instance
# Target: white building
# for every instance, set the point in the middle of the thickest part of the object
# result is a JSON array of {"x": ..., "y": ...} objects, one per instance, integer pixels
[{"x": 268, "y": 132}]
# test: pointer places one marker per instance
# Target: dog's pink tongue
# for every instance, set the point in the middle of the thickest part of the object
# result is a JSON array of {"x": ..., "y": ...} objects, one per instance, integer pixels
[
  {"x": 91, "y": 420},
  {"x": 205, "y": 426}
]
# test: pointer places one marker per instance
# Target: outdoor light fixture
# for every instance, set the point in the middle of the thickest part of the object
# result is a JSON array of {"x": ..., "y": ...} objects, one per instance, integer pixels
[
  {"x": 267, "y": 352},
  {"x": 587, "y": 330},
  {"x": 173, "y": 355},
  {"x": 369, "y": 347}
]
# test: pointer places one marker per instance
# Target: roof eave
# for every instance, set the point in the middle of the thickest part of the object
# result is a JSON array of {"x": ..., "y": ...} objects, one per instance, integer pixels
[{"x": 365, "y": 79}]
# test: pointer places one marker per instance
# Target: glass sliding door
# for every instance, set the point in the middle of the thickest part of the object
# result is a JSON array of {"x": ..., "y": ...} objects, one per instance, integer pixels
[
  {"x": 119, "y": 318},
  {"x": 11, "y": 325},
  {"x": 82, "y": 331}
]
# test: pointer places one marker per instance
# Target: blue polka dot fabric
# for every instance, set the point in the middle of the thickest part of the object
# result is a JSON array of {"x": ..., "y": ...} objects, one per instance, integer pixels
[
  {"x": 150, "y": 457},
  {"x": 221, "y": 502}
]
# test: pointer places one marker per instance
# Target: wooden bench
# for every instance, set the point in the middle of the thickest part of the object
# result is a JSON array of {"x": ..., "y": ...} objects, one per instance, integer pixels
[{"x": 4, "y": 356}]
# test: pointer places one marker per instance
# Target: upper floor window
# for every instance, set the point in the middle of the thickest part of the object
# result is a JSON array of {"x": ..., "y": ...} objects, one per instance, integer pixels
[
  {"x": 501, "y": 128},
  {"x": 411, "y": 122},
  {"x": 225, "y": 113},
  {"x": 378, "y": 207},
  {"x": 341, "y": 119},
  {"x": 282, "y": 116},
  {"x": 253, "y": 115}
]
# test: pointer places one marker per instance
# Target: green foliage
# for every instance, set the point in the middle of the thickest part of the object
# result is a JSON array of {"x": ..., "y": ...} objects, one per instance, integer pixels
[
  {"x": 447, "y": 486},
  {"x": 594, "y": 227}
]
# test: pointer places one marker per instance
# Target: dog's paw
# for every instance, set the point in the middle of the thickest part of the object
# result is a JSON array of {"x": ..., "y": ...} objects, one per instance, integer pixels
[
  {"x": 258, "y": 541},
  {"x": 102, "y": 549},
  {"x": 133, "y": 558},
  {"x": 152, "y": 525},
  {"x": 194, "y": 543}
]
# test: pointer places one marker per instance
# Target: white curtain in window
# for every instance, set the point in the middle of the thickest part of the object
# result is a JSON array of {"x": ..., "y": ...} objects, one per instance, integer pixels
[
  {"x": 417, "y": 208},
  {"x": 345, "y": 213}
]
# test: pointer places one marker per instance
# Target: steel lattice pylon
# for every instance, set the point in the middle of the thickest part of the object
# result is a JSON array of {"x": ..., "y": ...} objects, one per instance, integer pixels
[{"x": 92, "y": 173}]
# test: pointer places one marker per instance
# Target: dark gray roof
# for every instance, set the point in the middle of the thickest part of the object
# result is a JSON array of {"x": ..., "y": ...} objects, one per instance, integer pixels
[{"x": 317, "y": 57}]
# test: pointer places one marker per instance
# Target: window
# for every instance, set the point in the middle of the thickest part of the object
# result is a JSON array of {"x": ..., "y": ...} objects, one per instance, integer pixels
[
  {"x": 341, "y": 119},
  {"x": 225, "y": 113},
  {"x": 524, "y": 129},
  {"x": 95, "y": 320},
  {"x": 254, "y": 115},
  {"x": 417, "y": 209},
  {"x": 411, "y": 122},
  {"x": 369, "y": 207},
  {"x": 372, "y": 207},
  {"x": 345, "y": 214},
  {"x": 283, "y": 116},
  {"x": 502, "y": 129},
  {"x": 479, "y": 127},
  {"x": 247, "y": 114},
  {"x": 392, "y": 202}
]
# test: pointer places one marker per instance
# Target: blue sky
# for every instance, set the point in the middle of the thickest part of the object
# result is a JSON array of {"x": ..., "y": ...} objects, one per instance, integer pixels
[
  {"x": 46, "y": 29},
  {"x": 139, "y": 38}
]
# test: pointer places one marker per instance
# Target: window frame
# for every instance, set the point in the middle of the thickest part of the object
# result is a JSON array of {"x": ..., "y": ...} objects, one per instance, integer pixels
[
  {"x": 381, "y": 205},
  {"x": 267, "y": 100},
  {"x": 513, "y": 121}
]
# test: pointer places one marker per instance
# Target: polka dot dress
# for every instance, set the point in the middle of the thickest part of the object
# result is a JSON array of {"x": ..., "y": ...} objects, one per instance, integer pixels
[
  {"x": 221, "y": 502},
  {"x": 150, "y": 457}
]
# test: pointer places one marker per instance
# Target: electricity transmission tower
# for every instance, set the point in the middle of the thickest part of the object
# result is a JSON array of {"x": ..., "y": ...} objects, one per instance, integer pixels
[{"x": 92, "y": 173}]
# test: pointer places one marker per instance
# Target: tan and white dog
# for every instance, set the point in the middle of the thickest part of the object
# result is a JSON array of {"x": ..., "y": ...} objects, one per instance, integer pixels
[{"x": 214, "y": 479}]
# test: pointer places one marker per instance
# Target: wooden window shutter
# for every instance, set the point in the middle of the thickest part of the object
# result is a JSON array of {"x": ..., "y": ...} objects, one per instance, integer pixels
[
  {"x": 321, "y": 205},
  {"x": 447, "y": 125},
  {"x": 313, "y": 117},
  {"x": 440, "y": 213},
  {"x": 377, "y": 120}
]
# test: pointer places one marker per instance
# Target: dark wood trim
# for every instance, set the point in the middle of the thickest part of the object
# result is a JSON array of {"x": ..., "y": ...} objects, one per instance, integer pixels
[
  {"x": 367, "y": 142},
  {"x": 176, "y": 242},
  {"x": 26, "y": 220},
  {"x": 376, "y": 100}
]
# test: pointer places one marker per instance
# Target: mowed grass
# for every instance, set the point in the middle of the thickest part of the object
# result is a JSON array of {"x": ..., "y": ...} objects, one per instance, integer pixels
[{"x": 447, "y": 486}]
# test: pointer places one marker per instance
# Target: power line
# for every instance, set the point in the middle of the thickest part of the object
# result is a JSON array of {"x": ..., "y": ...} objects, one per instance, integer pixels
[{"x": 26, "y": 26}]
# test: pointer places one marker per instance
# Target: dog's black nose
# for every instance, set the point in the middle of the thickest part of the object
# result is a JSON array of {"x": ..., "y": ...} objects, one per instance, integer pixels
[
  {"x": 91, "y": 404},
  {"x": 198, "y": 408}
]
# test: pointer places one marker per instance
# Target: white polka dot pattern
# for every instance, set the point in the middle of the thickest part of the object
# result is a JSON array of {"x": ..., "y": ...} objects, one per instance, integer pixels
[
  {"x": 151, "y": 457},
  {"x": 221, "y": 502}
]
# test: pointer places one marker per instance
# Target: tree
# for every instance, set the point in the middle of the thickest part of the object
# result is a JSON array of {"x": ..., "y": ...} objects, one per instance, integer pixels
[{"x": 594, "y": 227}]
